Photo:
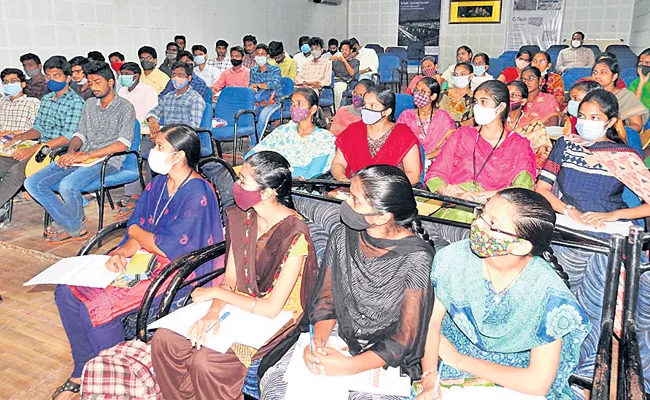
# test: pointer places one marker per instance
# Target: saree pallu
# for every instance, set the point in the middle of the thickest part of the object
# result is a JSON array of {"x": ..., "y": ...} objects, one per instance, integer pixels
[
  {"x": 344, "y": 117},
  {"x": 630, "y": 106},
  {"x": 543, "y": 107},
  {"x": 431, "y": 133},
  {"x": 536, "y": 134},
  {"x": 552, "y": 84}
]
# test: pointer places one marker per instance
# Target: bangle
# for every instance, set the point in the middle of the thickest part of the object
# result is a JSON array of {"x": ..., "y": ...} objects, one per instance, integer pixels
[
  {"x": 253, "y": 305},
  {"x": 567, "y": 208},
  {"x": 229, "y": 287}
]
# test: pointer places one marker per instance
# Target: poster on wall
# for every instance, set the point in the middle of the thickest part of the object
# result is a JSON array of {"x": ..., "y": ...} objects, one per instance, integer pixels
[
  {"x": 535, "y": 22},
  {"x": 419, "y": 20}
]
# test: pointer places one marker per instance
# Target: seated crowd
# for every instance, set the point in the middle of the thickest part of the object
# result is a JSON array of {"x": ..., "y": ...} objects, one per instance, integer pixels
[{"x": 487, "y": 300}]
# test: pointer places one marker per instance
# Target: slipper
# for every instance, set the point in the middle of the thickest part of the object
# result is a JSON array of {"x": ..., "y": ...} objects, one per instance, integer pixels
[
  {"x": 68, "y": 386},
  {"x": 64, "y": 237},
  {"x": 126, "y": 209},
  {"x": 54, "y": 228}
]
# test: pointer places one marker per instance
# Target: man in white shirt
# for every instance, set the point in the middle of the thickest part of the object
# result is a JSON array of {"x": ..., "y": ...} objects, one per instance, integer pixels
[
  {"x": 368, "y": 60},
  {"x": 208, "y": 73},
  {"x": 304, "y": 54},
  {"x": 575, "y": 56},
  {"x": 222, "y": 61}
]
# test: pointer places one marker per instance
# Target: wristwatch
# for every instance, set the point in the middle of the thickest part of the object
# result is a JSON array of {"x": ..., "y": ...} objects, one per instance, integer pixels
[{"x": 567, "y": 208}]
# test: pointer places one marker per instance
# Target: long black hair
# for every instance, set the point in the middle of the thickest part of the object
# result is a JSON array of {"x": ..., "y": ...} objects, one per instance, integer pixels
[
  {"x": 272, "y": 171},
  {"x": 183, "y": 138},
  {"x": 499, "y": 93},
  {"x": 433, "y": 86},
  {"x": 389, "y": 190},
  {"x": 534, "y": 221},
  {"x": 312, "y": 99},
  {"x": 386, "y": 97},
  {"x": 608, "y": 104}
]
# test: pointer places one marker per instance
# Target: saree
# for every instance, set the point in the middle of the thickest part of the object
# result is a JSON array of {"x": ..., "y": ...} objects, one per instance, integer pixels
[
  {"x": 343, "y": 118},
  {"x": 353, "y": 143},
  {"x": 190, "y": 221},
  {"x": 630, "y": 106},
  {"x": 431, "y": 130},
  {"x": 536, "y": 134},
  {"x": 535, "y": 310},
  {"x": 460, "y": 110},
  {"x": 552, "y": 84},
  {"x": 543, "y": 107},
  {"x": 645, "y": 92}
]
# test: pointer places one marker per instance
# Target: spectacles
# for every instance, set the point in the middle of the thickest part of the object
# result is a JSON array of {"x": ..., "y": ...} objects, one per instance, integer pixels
[
  {"x": 479, "y": 216},
  {"x": 540, "y": 62},
  {"x": 529, "y": 79},
  {"x": 148, "y": 58},
  {"x": 516, "y": 96}
]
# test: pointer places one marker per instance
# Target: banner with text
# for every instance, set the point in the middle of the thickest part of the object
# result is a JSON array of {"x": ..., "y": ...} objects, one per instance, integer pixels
[
  {"x": 419, "y": 20},
  {"x": 535, "y": 22}
]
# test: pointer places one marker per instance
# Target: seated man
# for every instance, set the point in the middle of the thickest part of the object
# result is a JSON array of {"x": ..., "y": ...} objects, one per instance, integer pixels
[
  {"x": 106, "y": 126},
  {"x": 143, "y": 97},
  {"x": 345, "y": 67},
  {"x": 171, "y": 56},
  {"x": 237, "y": 75},
  {"x": 304, "y": 54},
  {"x": 96, "y": 56},
  {"x": 250, "y": 43},
  {"x": 332, "y": 49},
  {"x": 79, "y": 81},
  {"x": 265, "y": 78},
  {"x": 368, "y": 60},
  {"x": 116, "y": 60},
  {"x": 288, "y": 66},
  {"x": 196, "y": 83},
  {"x": 183, "y": 106},
  {"x": 36, "y": 86},
  {"x": 222, "y": 61},
  {"x": 316, "y": 72},
  {"x": 203, "y": 70},
  {"x": 575, "y": 56},
  {"x": 152, "y": 76}
]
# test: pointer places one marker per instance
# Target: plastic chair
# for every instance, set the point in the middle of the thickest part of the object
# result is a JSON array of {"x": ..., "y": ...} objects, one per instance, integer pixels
[
  {"x": 554, "y": 52},
  {"x": 496, "y": 67},
  {"x": 402, "y": 53},
  {"x": 508, "y": 58},
  {"x": 286, "y": 90},
  {"x": 627, "y": 62},
  {"x": 533, "y": 48},
  {"x": 204, "y": 131},
  {"x": 346, "y": 98},
  {"x": 415, "y": 53},
  {"x": 377, "y": 48},
  {"x": 390, "y": 71},
  {"x": 402, "y": 102},
  {"x": 628, "y": 75},
  {"x": 326, "y": 96},
  {"x": 573, "y": 75},
  {"x": 620, "y": 50},
  {"x": 235, "y": 105}
]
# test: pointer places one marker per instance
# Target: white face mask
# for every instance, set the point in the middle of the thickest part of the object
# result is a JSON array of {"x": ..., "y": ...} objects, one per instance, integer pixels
[
  {"x": 590, "y": 130},
  {"x": 572, "y": 108},
  {"x": 521, "y": 64},
  {"x": 576, "y": 43},
  {"x": 260, "y": 60},
  {"x": 484, "y": 115},
  {"x": 158, "y": 162},
  {"x": 461, "y": 81}
]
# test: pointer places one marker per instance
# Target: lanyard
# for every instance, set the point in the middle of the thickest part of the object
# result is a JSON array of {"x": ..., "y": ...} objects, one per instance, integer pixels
[
  {"x": 424, "y": 132},
  {"x": 518, "y": 119},
  {"x": 156, "y": 220},
  {"x": 487, "y": 158}
]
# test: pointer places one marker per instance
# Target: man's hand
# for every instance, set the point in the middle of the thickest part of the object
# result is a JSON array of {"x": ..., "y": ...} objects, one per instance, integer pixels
[
  {"x": 315, "y": 85},
  {"x": 22, "y": 154},
  {"x": 154, "y": 127},
  {"x": 67, "y": 160}
]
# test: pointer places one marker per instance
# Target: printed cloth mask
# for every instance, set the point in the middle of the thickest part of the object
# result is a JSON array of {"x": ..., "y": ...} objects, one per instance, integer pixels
[
  {"x": 515, "y": 105},
  {"x": 298, "y": 114},
  {"x": 430, "y": 72},
  {"x": 245, "y": 199},
  {"x": 420, "y": 100},
  {"x": 357, "y": 101},
  {"x": 486, "y": 246},
  {"x": 32, "y": 72}
]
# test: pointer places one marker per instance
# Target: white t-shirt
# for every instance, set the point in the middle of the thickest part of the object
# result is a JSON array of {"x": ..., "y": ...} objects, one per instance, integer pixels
[
  {"x": 477, "y": 80},
  {"x": 210, "y": 74},
  {"x": 301, "y": 60},
  {"x": 368, "y": 59}
]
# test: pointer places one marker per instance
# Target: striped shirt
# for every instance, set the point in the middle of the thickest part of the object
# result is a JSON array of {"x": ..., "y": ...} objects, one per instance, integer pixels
[
  {"x": 58, "y": 116},
  {"x": 184, "y": 109},
  {"x": 18, "y": 115},
  {"x": 316, "y": 71},
  {"x": 221, "y": 65}
]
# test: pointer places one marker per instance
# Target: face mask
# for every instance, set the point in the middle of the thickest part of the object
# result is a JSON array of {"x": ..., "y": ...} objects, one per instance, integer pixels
[
  {"x": 305, "y": 48},
  {"x": 56, "y": 86},
  {"x": 544, "y": 72},
  {"x": 421, "y": 100},
  {"x": 572, "y": 108},
  {"x": 332, "y": 52},
  {"x": 116, "y": 66},
  {"x": 316, "y": 54},
  {"x": 180, "y": 83},
  {"x": 12, "y": 89},
  {"x": 645, "y": 69},
  {"x": 127, "y": 80},
  {"x": 357, "y": 101},
  {"x": 245, "y": 199},
  {"x": 82, "y": 82},
  {"x": 199, "y": 60},
  {"x": 515, "y": 105},
  {"x": 298, "y": 114},
  {"x": 484, "y": 115},
  {"x": 479, "y": 70},
  {"x": 158, "y": 162},
  {"x": 371, "y": 117},
  {"x": 235, "y": 63},
  {"x": 461, "y": 81},
  {"x": 147, "y": 65},
  {"x": 576, "y": 43},
  {"x": 32, "y": 72},
  {"x": 260, "y": 60},
  {"x": 353, "y": 219},
  {"x": 521, "y": 64},
  {"x": 590, "y": 130},
  {"x": 171, "y": 56},
  {"x": 430, "y": 72},
  {"x": 486, "y": 246}
]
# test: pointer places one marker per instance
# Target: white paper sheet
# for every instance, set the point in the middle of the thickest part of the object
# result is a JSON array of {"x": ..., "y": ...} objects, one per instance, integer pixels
[
  {"x": 240, "y": 326},
  {"x": 610, "y": 227},
  {"x": 87, "y": 271}
]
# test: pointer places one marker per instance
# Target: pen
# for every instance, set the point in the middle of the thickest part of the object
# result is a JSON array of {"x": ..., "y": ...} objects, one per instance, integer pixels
[
  {"x": 435, "y": 388},
  {"x": 311, "y": 341},
  {"x": 220, "y": 320}
]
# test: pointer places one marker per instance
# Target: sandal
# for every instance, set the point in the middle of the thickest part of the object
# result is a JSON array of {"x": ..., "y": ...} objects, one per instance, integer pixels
[
  {"x": 65, "y": 237},
  {"x": 68, "y": 386},
  {"x": 54, "y": 228},
  {"x": 126, "y": 209}
]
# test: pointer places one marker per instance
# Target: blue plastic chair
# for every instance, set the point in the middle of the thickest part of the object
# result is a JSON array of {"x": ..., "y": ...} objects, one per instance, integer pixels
[
  {"x": 390, "y": 71},
  {"x": 346, "y": 98},
  {"x": 628, "y": 75},
  {"x": 286, "y": 91},
  {"x": 533, "y": 48},
  {"x": 620, "y": 50},
  {"x": 402, "y": 102},
  {"x": 554, "y": 52},
  {"x": 326, "y": 96},
  {"x": 377, "y": 48},
  {"x": 496, "y": 67},
  {"x": 402, "y": 53},
  {"x": 415, "y": 53},
  {"x": 508, "y": 58},
  {"x": 204, "y": 130},
  {"x": 235, "y": 105},
  {"x": 627, "y": 62},
  {"x": 573, "y": 75}
]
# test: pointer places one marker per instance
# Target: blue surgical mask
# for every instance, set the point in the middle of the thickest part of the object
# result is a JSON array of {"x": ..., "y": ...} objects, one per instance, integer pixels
[
  {"x": 199, "y": 60},
  {"x": 479, "y": 70},
  {"x": 572, "y": 108},
  {"x": 127, "y": 80},
  {"x": 56, "y": 86},
  {"x": 12, "y": 89},
  {"x": 180, "y": 83},
  {"x": 305, "y": 48},
  {"x": 590, "y": 130}
]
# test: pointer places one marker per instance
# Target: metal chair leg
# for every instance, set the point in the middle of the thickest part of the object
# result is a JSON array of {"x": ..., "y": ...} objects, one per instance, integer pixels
[
  {"x": 10, "y": 211},
  {"x": 110, "y": 199}
]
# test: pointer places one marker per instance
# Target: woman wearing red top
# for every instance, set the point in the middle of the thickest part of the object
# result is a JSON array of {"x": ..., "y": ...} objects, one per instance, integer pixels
[{"x": 513, "y": 73}]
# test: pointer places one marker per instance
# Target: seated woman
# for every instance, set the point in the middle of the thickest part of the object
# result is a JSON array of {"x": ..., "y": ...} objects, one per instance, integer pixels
[
  {"x": 588, "y": 176},
  {"x": 303, "y": 142},
  {"x": 373, "y": 285},
  {"x": 458, "y": 100},
  {"x": 271, "y": 266},
  {"x": 176, "y": 214},
  {"x": 576, "y": 95},
  {"x": 531, "y": 128},
  {"x": 540, "y": 105},
  {"x": 631, "y": 111},
  {"x": 431, "y": 125},
  {"x": 522, "y": 60},
  {"x": 429, "y": 70},
  {"x": 641, "y": 86},
  {"x": 502, "y": 314},
  {"x": 348, "y": 114},
  {"x": 476, "y": 162},
  {"x": 481, "y": 65},
  {"x": 550, "y": 82},
  {"x": 377, "y": 140}
]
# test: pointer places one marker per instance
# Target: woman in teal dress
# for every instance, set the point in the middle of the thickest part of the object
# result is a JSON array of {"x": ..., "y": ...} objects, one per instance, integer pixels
[{"x": 502, "y": 313}]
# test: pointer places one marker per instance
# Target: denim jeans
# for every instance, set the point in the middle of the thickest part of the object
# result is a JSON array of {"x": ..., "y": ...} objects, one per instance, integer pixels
[{"x": 69, "y": 212}]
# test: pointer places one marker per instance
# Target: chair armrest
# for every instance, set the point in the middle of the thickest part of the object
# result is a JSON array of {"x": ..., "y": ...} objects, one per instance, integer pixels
[
  {"x": 58, "y": 151},
  {"x": 220, "y": 161},
  {"x": 182, "y": 267},
  {"x": 244, "y": 112},
  {"x": 99, "y": 236},
  {"x": 117, "y": 154},
  {"x": 375, "y": 78}
]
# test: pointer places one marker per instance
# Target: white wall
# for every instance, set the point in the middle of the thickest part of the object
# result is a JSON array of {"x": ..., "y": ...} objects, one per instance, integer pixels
[
  {"x": 374, "y": 21},
  {"x": 598, "y": 19},
  {"x": 640, "y": 32},
  {"x": 73, "y": 27}
]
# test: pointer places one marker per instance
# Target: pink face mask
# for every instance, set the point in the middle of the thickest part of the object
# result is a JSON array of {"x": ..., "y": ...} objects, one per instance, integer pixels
[
  {"x": 245, "y": 199},
  {"x": 298, "y": 114},
  {"x": 420, "y": 100},
  {"x": 357, "y": 101},
  {"x": 430, "y": 72}
]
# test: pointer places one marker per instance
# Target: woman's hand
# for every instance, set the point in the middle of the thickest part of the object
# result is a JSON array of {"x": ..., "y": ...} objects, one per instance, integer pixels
[
  {"x": 329, "y": 361},
  {"x": 448, "y": 353},
  {"x": 454, "y": 191},
  {"x": 598, "y": 219},
  {"x": 198, "y": 333},
  {"x": 311, "y": 359},
  {"x": 429, "y": 384},
  {"x": 116, "y": 263},
  {"x": 575, "y": 215},
  {"x": 203, "y": 294},
  {"x": 643, "y": 79}
]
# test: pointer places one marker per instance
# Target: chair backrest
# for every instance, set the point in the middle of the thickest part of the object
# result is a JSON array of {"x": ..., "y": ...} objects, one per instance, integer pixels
[
  {"x": 131, "y": 161},
  {"x": 557, "y": 47},
  {"x": 496, "y": 67},
  {"x": 554, "y": 52},
  {"x": 594, "y": 48},
  {"x": 415, "y": 50},
  {"x": 377, "y": 48},
  {"x": 627, "y": 62},
  {"x": 387, "y": 65},
  {"x": 400, "y": 52},
  {"x": 619, "y": 49},
  {"x": 286, "y": 87},
  {"x": 221, "y": 175},
  {"x": 402, "y": 102},
  {"x": 233, "y": 99},
  {"x": 628, "y": 75},
  {"x": 509, "y": 58},
  {"x": 573, "y": 75},
  {"x": 533, "y": 48}
]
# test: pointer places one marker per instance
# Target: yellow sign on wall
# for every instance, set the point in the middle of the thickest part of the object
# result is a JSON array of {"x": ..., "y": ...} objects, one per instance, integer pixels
[{"x": 475, "y": 12}]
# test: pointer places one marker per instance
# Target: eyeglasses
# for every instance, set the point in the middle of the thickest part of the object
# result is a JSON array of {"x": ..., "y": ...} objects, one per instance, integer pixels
[
  {"x": 540, "y": 62},
  {"x": 148, "y": 58},
  {"x": 529, "y": 79},
  {"x": 516, "y": 96},
  {"x": 479, "y": 216}
]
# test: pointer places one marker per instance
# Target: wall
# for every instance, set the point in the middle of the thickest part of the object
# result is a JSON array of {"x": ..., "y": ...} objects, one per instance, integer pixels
[
  {"x": 73, "y": 27},
  {"x": 598, "y": 19},
  {"x": 374, "y": 21},
  {"x": 640, "y": 32}
]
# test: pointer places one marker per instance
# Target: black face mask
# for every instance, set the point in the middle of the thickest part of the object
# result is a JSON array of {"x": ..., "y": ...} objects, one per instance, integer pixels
[
  {"x": 645, "y": 69},
  {"x": 236, "y": 63},
  {"x": 147, "y": 65},
  {"x": 332, "y": 52},
  {"x": 353, "y": 219}
]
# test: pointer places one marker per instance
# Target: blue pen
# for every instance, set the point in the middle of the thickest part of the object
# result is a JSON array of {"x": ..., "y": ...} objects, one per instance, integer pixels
[
  {"x": 311, "y": 341},
  {"x": 435, "y": 388},
  {"x": 220, "y": 320}
]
